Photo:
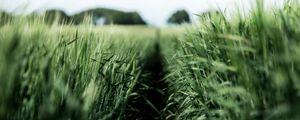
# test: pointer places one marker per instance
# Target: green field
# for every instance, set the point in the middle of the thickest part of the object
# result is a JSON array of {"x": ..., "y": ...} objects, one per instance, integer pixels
[{"x": 245, "y": 68}]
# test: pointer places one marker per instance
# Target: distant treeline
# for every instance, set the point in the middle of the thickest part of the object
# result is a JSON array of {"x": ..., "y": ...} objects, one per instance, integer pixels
[
  {"x": 97, "y": 16},
  {"x": 100, "y": 16},
  {"x": 106, "y": 16}
]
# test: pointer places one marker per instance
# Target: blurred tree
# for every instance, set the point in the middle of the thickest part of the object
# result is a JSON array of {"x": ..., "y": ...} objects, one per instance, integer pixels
[
  {"x": 56, "y": 16},
  {"x": 179, "y": 17},
  {"x": 5, "y": 18},
  {"x": 115, "y": 17},
  {"x": 109, "y": 16}
]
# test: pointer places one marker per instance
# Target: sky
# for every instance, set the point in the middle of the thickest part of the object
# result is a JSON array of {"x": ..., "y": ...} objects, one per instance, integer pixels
[{"x": 155, "y": 12}]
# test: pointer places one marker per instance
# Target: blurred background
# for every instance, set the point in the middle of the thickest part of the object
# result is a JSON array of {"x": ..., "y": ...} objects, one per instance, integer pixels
[{"x": 150, "y": 12}]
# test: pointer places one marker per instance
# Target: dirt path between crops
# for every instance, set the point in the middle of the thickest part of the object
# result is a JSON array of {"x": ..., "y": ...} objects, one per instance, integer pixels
[{"x": 151, "y": 98}]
